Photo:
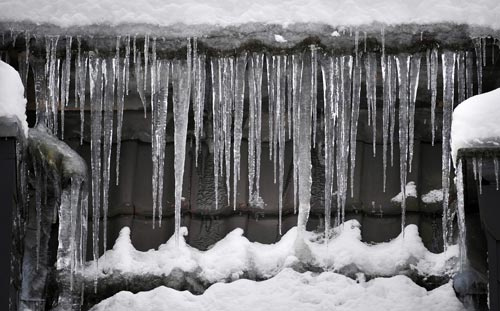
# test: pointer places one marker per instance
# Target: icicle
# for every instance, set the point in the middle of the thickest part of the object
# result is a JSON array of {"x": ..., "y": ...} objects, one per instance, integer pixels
[
  {"x": 96, "y": 105},
  {"x": 314, "y": 90},
  {"x": 239, "y": 96},
  {"x": 469, "y": 73},
  {"x": 356, "y": 96},
  {"x": 146, "y": 61},
  {"x": 343, "y": 133},
  {"x": 461, "y": 76},
  {"x": 159, "y": 135},
  {"x": 393, "y": 82},
  {"x": 434, "y": 72},
  {"x": 461, "y": 215},
  {"x": 297, "y": 72},
  {"x": 38, "y": 207},
  {"x": 474, "y": 168},
  {"x": 480, "y": 174},
  {"x": 414, "y": 76},
  {"x": 216, "y": 94},
  {"x": 304, "y": 151},
  {"x": 109, "y": 100},
  {"x": 52, "y": 75},
  {"x": 276, "y": 72},
  {"x": 289, "y": 97},
  {"x": 271, "y": 96},
  {"x": 65, "y": 82},
  {"x": 80, "y": 84},
  {"x": 281, "y": 93},
  {"x": 483, "y": 50},
  {"x": 199, "y": 95},
  {"x": 448, "y": 96},
  {"x": 386, "y": 72},
  {"x": 478, "y": 44},
  {"x": 403, "y": 63},
  {"x": 495, "y": 164},
  {"x": 428, "y": 63},
  {"x": 139, "y": 79},
  {"x": 255, "y": 121},
  {"x": 228, "y": 107},
  {"x": 120, "y": 103},
  {"x": 180, "y": 79},
  {"x": 371, "y": 94},
  {"x": 24, "y": 73},
  {"x": 327, "y": 69}
]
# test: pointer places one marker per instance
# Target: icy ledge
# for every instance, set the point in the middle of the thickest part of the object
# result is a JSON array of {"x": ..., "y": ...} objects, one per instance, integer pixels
[
  {"x": 290, "y": 290},
  {"x": 235, "y": 256},
  {"x": 475, "y": 123}
]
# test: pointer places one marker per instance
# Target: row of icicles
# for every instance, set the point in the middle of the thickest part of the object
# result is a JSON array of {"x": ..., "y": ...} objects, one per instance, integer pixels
[{"x": 292, "y": 87}]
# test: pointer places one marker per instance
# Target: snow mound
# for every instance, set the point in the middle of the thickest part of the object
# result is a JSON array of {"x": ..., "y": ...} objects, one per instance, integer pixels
[
  {"x": 433, "y": 196},
  {"x": 475, "y": 122},
  {"x": 67, "y": 13},
  {"x": 411, "y": 191},
  {"x": 12, "y": 101},
  {"x": 290, "y": 290},
  {"x": 234, "y": 255}
]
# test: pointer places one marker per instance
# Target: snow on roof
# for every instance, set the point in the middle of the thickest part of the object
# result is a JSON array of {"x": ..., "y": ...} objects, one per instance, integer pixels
[
  {"x": 291, "y": 290},
  {"x": 12, "y": 101},
  {"x": 476, "y": 122},
  {"x": 66, "y": 13}
]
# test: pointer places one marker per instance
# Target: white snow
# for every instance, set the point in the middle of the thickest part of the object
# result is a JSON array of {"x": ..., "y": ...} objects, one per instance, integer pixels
[
  {"x": 67, "y": 13},
  {"x": 290, "y": 290},
  {"x": 411, "y": 191},
  {"x": 279, "y": 38},
  {"x": 433, "y": 196},
  {"x": 234, "y": 255},
  {"x": 475, "y": 122},
  {"x": 12, "y": 101}
]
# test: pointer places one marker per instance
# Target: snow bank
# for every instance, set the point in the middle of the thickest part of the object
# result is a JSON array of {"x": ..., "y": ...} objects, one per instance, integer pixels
[
  {"x": 67, "y": 13},
  {"x": 290, "y": 290},
  {"x": 476, "y": 122},
  {"x": 234, "y": 255},
  {"x": 433, "y": 196},
  {"x": 411, "y": 191},
  {"x": 12, "y": 101}
]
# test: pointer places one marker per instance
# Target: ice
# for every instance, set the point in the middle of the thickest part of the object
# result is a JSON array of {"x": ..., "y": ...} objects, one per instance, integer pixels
[
  {"x": 139, "y": 78},
  {"x": 478, "y": 45},
  {"x": 356, "y": 96},
  {"x": 393, "y": 82},
  {"x": 271, "y": 95},
  {"x": 386, "y": 101},
  {"x": 459, "y": 182},
  {"x": 198, "y": 95},
  {"x": 239, "y": 96},
  {"x": 52, "y": 74},
  {"x": 181, "y": 97},
  {"x": 469, "y": 73},
  {"x": 96, "y": 107},
  {"x": 281, "y": 93},
  {"x": 461, "y": 76},
  {"x": 495, "y": 164},
  {"x": 227, "y": 118},
  {"x": 65, "y": 81},
  {"x": 121, "y": 91},
  {"x": 304, "y": 144},
  {"x": 371, "y": 94},
  {"x": 255, "y": 121},
  {"x": 480, "y": 174},
  {"x": 216, "y": 126},
  {"x": 81, "y": 65},
  {"x": 448, "y": 97},
  {"x": 343, "y": 133},
  {"x": 414, "y": 76},
  {"x": 403, "y": 63},
  {"x": 434, "y": 72},
  {"x": 314, "y": 90},
  {"x": 327, "y": 69},
  {"x": 146, "y": 61},
  {"x": 159, "y": 135},
  {"x": 297, "y": 71},
  {"x": 108, "y": 105}
]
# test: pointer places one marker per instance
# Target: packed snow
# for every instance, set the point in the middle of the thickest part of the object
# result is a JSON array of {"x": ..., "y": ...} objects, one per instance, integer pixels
[
  {"x": 411, "y": 191},
  {"x": 234, "y": 255},
  {"x": 475, "y": 122},
  {"x": 231, "y": 12},
  {"x": 291, "y": 290},
  {"x": 433, "y": 196},
  {"x": 12, "y": 101}
]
